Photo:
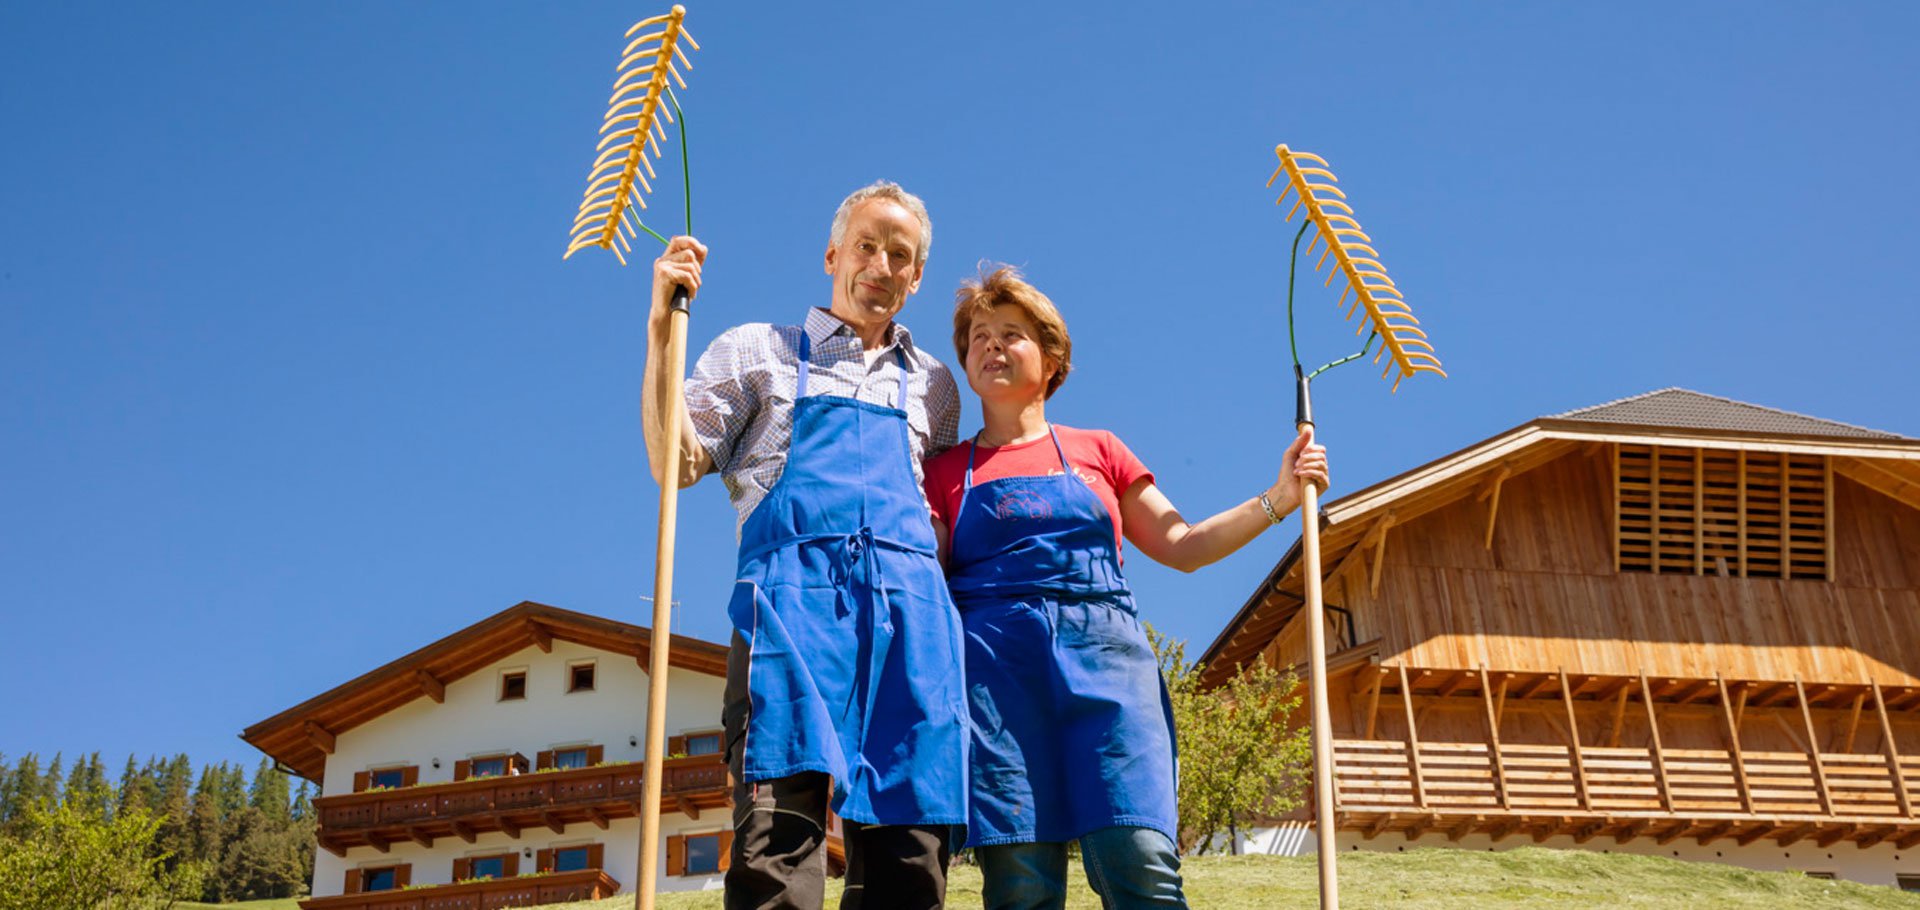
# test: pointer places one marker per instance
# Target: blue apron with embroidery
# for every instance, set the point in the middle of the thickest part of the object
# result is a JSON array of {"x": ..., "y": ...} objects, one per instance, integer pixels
[
  {"x": 855, "y": 665},
  {"x": 1072, "y": 730}
]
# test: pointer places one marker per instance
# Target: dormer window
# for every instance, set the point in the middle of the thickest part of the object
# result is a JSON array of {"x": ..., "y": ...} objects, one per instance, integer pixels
[
  {"x": 1680, "y": 510},
  {"x": 580, "y": 676},
  {"x": 513, "y": 685}
]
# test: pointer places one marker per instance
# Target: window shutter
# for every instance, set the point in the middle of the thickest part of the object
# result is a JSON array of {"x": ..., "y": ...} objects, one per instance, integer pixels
[
  {"x": 676, "y": 745},
  {"x": 462, "y": 869},
  {"x": 409, "y": 775},
  {"x": 518, "y": 761},
  {"x": 596, "y": 754},
  {"x": 354, "y": 880},
  {"x": 676, "y": 855},
  {"x": 543, "y": 760},
  {"x": 726, "y": 850},
  {"x": 543, "y": 861},
  {"x": 361, "y": 781},
  {"x": 597, "y": 856},
  {"x": 511, "y": 867},
  {"x": 462, "y": 769},
  {"x": 402, "y": 875}
]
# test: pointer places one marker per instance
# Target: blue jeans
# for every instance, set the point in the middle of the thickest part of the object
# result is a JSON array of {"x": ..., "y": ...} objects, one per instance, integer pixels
[{"x": 1127, "y": 867}]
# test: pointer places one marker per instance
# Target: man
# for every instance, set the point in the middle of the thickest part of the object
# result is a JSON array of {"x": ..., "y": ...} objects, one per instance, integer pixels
[{"x": 844, "y": 677}]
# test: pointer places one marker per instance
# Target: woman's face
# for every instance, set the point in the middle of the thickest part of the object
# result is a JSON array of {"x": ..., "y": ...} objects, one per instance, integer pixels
[{"x": 1003, "y": 357}]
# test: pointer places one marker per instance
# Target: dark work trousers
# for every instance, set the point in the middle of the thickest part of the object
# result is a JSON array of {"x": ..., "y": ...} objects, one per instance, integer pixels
[{"x": 779, "y": 855}]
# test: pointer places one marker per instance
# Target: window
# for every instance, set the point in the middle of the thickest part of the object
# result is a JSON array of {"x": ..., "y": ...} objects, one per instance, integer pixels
[
  {"x": 513, "y": 685},
  {"x": 489, "y": 867},
  {"x": 1823, "y": 876},
  {"x": 703, "y": 744},
  {"x": 570, "y": 758},
  {"x": 570, "y": 859},
  {"x": 389, "y": 777},
  {"x": 1689, "y": 511},
  {"x": 580, "y": 677},
  {"x": 1908, "y": 882},
  {"x": 703, "y": 854},
  {"x": 382, "y": 879}
]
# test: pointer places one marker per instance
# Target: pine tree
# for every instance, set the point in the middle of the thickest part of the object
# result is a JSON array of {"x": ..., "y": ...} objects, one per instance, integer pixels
[
  {"x": 86, "y": 789},
  {"x": 136, "y": 791},
  {"x": 269, "y": 794},
  {"x": 303, "y": 803},
  {"x": 49, "y": 788},
  {"x": 174, "y": 788},
  {"x": 26, "y": 789},
  {"x": 204, "y": 828}
]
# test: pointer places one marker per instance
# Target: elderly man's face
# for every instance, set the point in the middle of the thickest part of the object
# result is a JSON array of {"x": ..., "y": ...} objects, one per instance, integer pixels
[{"x": 876, "y": 263}]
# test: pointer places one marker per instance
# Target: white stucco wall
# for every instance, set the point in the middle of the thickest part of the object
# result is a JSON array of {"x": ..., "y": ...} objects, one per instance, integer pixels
[
  {"x": 1875, "y": 865},
  {"x": 473, "y": 721}
]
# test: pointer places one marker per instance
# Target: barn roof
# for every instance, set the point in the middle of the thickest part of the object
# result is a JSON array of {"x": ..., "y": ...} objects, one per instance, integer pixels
[{"x": 1684, "y": 408}]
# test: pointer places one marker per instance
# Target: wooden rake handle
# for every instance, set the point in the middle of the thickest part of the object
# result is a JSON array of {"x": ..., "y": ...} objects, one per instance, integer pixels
[
  {"x": 1317, "y": 660},
  {"x": 662, "y": 636}
]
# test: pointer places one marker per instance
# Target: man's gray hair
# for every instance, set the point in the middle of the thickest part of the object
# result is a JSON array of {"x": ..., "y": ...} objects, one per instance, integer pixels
[{"x": 884, "y": 189}]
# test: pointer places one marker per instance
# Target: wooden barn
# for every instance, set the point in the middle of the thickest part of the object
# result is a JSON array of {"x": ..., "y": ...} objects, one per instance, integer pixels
[{"x": 1672, "y": 623}]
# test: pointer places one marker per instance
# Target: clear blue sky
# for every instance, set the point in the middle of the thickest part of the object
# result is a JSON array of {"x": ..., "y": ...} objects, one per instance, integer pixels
[{"x": 293, "y": 379}]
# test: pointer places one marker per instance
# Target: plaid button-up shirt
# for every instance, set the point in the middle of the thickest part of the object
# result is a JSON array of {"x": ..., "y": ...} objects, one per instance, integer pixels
[{"x": 740, "y": 396}]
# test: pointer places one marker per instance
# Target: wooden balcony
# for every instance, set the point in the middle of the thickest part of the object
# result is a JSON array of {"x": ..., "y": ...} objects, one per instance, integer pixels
[
  {"x": 1665, "y": 794},
  {"x": 520, "y": 891},
  {"x": 553, "y": 799}
]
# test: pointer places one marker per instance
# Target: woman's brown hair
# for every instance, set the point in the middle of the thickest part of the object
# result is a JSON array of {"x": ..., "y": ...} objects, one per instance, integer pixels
[{"x": 1004, "y": 286}]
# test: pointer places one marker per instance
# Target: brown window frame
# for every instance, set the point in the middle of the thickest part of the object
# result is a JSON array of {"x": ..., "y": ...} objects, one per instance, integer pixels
[
  {"x": 357, "y": 878},
  {"x": 593, "y": 675},
  {"x": 363, "y": 780},
  {"x": 505, "y": 677},
  {"x": 677, "y": 852},
  {"x": 509, "y": 865}
]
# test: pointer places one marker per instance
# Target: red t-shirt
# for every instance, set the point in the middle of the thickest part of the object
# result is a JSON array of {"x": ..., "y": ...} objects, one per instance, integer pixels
[{"x": 1097, "y": 456}]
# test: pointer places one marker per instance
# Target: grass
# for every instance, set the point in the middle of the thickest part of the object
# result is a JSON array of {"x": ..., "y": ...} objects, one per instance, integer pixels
[{"x": 1431, "y": 879}]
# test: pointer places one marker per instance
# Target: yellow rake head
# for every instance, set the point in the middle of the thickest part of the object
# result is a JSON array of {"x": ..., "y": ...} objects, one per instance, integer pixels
[
  {"x": 629, "y": 132},
  {"x": 1312, "y": 185}
]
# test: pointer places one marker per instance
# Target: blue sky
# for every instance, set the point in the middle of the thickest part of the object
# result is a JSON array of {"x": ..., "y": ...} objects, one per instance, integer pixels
[{"x": 293, "y": 379}]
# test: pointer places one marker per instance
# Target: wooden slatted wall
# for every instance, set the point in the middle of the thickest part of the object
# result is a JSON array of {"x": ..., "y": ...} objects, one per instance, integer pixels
[{"x": 1694, "y": 511}]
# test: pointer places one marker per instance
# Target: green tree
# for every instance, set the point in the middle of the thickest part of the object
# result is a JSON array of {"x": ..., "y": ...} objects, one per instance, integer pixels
[
  {"x": 270, "y": 794},
  {"x": 27, "y": 788},
  {"x": 87, "y": 787},
  {"x": 263, "y": 859},
  {"x": 65, "y": 857},
  {"x": 1239, "y": 760},
  {"x": 175, "y": 800},
  {"x": 138, "y": 788}
]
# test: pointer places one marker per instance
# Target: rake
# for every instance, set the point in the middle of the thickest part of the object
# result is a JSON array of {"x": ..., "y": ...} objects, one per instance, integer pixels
[
  {"x": 630, "y": 139},
  {"x": 1388, "y": 318}
]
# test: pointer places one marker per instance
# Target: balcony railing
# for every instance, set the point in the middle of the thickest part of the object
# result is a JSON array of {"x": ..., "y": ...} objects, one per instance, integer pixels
[
  {"x": 510, "y": 803},
  {"x": 1855, "y": 792},
  {"x": 520, "y": 891}
]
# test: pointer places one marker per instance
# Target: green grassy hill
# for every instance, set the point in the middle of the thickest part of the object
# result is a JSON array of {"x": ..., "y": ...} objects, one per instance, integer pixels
[{"x": 1524, "y": 879}]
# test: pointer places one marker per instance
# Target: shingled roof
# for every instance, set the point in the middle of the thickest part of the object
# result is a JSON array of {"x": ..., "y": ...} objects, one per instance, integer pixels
[{"x": 1676, "y": 407}]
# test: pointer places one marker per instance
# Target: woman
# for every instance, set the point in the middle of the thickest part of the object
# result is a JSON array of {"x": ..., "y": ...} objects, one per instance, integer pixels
[{"x": 1073, "y": 737}]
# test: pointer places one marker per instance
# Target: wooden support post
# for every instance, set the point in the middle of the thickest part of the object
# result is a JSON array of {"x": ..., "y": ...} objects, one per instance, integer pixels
[
  {"x": 1413, "y": 742},
  {"x": 1373, "y": 700},
  {"x": 1380, "y": 551},
  {"x": 1615, "y": 448},
  {"x": 1813, "y": 748},
  {"x": 1493, "y": 741},
  {"x": 1500, "y": 700},
  {"x": 1892, "y": 750},
  {"x": 1573, "y": 744},
  {"x": 1619, "y": 717},
  {"x": 1659, "y": 754},
  {"x": 1741, "y": 484},
  {"x": 431, "y": 686},
  {"x": 1853, "y": 721},
  {"x": 1491, "y": 493},
  {"x": 1826, "y": 471},
  {"x": 1699, "y": 511},
  {"x": 1733, "y": 743},
  {"x": 1653, "y": 486},
  {"x": 1786, "y": 518}
]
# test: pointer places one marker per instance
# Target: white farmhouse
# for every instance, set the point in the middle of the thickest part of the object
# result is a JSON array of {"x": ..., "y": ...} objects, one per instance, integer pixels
[{"x": 503, "y": 764}]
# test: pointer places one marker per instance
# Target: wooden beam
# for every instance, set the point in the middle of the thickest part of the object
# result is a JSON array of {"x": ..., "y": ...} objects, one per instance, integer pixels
[
  {"x": 1879, "y": 480},
  {"x": 1679, "y": 830},
  {"x": 1573, "y": 744},
  {"x": 1614, "y": 448},
  {"x": 321, "y": 737},
  {"x": 1853, "y": 721},
  {"x": 507, "y": 825},
  {"x": 1379, "y": 825},
  {"x": 1714, "y": 833},
  {"x": 1826, "y": 525},
  {"x": 1837, "y": 833},
  {"x": 434, "y": 688},
  {"x": 465, "y": 832},
  {"x": 1632, "y": 830},
  {"x": 1500, "y": 700},
  {"x": 1464, "y": 827},
  {"x": 1733, "y": 744},
  {"x": 1871, "y": 838},
  {"x": 554, "y": 824},
  {"x": 1699, "y": 511},
  {"x": 1619, "y": 716},
  {"x": 1659, "y": 754},
  {"x": 1503, "y": 830},
  {"x": 1380, "y": 551},
  {"x": 1908, "y": 841},
  {"x": 327, "y": 844},
  {"x": 686, "y": 806},
  {"x": 1741, "y": 484},
  {"x": 1892, "y": 751},
  {"x": 1754, "y": 833},
  {"x": 1813, "y": 744},
  {"x": 1795, "y": 834},
  {"x": 1653, "y": 514},
  {"x": 598, "y": 818},
  {"x": 420, "y": 837},
  {"x": 1491, "y": 493},
  {"x": 1373, "y": 700},
  {"x": 1539, "y": 685},
  {"x": 1421, "y": 826},
  {"x": 1588, "y": 833},
  {"x": 1413, "y": 742},
  {"x": 1693, "y": 691},
  {"x": 541, "y": 637},
  {"x": 379, "y": 843},
  {"x": 1786, "y": 520},
  {"x": 1460, "y": 681},
  {"x": 1493, "y": 741}
]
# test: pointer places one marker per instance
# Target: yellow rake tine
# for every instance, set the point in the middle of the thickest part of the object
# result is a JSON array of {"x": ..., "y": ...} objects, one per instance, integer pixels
[
  {"x": 1296, "y": 207},
  {"x": 1317, "y": 187},
  {"x": 1319, "y": 172},
  {"x": 627, "y": 52},
  {"x": 1335, "y": 202},
  {"x": 1276, "y": 176},
  {"x": 1316, "y": 159}
]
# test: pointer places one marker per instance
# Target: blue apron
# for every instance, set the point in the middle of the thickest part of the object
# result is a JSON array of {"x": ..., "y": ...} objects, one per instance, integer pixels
[
  {"x": 1072, "y": 730},
  {"x": 855, "y": 657}
]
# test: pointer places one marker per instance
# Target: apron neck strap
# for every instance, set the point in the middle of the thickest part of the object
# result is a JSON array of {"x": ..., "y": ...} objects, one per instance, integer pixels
[
  {"x": 806, "y": 363},
  {"x": 1057, "y": 449}
]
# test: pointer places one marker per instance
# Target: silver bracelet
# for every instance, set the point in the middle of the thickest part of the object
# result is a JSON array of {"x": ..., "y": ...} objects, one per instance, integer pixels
[{"x": 1267, "y": 507}]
